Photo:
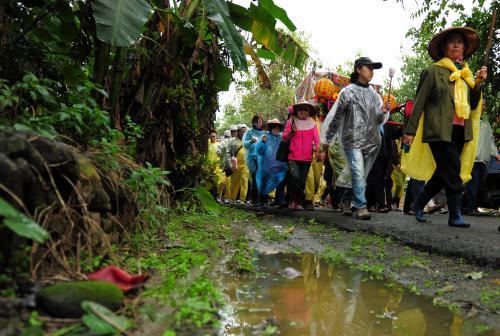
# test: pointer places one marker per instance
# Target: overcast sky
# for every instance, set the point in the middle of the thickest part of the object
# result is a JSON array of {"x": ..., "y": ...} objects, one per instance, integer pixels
[{"x": 340, "y": 28}]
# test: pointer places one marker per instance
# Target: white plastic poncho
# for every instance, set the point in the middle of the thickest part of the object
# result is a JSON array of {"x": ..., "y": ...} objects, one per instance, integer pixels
[{"x": 356, "y": 116}]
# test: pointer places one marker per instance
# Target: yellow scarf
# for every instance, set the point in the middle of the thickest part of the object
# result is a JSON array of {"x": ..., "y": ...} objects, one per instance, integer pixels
[{"x": 461, "y": 79}]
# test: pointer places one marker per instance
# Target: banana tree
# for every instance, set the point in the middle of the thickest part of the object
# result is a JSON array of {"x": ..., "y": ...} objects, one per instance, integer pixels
[{"x": 172, "y": 57}]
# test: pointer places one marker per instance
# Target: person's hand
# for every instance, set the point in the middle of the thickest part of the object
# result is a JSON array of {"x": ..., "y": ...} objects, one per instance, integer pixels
[
  {"x": 408, "y": 139},
  {"x": 294, "y": 127},
  {"x": 481, "y": 75},
  {"x": 264, "y": 138},
  {"x": 387, "y": 107},
  {"x": 254, "y": 139},
  {"x": 498, "y": 157},
  {"x": 321, "y": 156}
]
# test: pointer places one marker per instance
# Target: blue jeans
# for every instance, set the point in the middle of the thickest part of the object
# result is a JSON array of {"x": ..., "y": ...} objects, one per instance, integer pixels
[{"x": 360, "y": 166}]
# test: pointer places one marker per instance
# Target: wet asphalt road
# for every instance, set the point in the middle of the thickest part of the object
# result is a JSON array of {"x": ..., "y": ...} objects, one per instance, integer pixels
[{"x": 479, "y": 244}]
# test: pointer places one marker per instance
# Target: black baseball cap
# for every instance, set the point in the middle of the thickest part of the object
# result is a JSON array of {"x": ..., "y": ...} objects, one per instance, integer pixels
[{"x": 367, "y": 61}]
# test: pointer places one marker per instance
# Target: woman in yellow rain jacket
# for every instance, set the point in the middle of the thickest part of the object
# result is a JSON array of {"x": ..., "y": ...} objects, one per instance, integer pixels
[{"x": 444, "y": 118}]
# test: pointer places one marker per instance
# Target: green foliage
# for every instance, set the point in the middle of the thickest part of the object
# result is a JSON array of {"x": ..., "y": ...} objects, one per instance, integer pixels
[
  {"x": 413, "y": 65},
  {"x": 219, "y": 13},
  {"x": 201, "y": 306},
  {"x": 149, "y": 185},
  {"x": 206, "y": 199},
  {"x": 102, "y": 321},
  {"x": 120, "y": 22},
  {"x": 278, "y": 13},
  {"x": 34, "y": 104},
  {"x": 375, "y": 269},
  {"x": 490, "y": 297},
  {"x": 271, "y": 103},
  {"x": 20, "y": 224},
  {"x": 335, "y": 257}
]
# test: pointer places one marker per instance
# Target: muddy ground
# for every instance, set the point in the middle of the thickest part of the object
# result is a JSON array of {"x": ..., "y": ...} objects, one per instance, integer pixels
[{"x": 422, "y": 258}]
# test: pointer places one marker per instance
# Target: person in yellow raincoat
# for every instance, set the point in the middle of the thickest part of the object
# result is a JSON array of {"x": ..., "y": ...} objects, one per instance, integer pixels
[
  {"x": 213, "y": 162},
  {"x": 442, "y": 129},
  {"x": 315, "y": 173},
  {"x": 224, "y": 181},
  {"x": 235, "y": 158},
  {"x": 398, "y": 182}
]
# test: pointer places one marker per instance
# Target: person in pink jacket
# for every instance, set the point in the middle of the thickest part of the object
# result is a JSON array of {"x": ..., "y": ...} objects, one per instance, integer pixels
[{"x": 302, "y": 133}]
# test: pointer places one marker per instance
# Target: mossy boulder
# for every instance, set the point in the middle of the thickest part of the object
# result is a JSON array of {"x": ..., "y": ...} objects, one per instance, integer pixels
[{"x": 64, "y": 299}]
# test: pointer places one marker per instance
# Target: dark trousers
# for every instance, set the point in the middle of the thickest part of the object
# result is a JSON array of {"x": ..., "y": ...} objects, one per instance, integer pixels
[
  {"x": 254, "y": 191},
  {"x": 279, "y": 198},
  {"x": 412, "y": 190},
  {"x": 447, "y": 157},
  {"x": 297, "y": 180},
  {"x": 336, "y": 197},
  {"x": 328, "y": 176},
  {"x": 376, "y": 183},
  {"x": 475, "y": 187}
]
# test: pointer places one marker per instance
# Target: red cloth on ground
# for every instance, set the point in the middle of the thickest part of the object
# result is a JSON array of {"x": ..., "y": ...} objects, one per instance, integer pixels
[{"x": 118, "y": 277}]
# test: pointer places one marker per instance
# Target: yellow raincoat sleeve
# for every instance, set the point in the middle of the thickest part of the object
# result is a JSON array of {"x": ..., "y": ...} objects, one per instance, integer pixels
[{"x": 419, "y": 162}]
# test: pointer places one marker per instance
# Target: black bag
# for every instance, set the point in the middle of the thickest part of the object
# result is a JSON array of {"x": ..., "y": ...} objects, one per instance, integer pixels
[
  {"x": 283, "y": 151},
  {"x": 228, "y": 171}
]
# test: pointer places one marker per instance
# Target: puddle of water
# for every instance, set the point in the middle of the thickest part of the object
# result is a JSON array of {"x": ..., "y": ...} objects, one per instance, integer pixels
[{"x": 328, "y": 300}]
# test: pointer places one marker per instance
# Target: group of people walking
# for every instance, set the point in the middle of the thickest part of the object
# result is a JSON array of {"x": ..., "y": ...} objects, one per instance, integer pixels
[{"x": 353, "y": 146}]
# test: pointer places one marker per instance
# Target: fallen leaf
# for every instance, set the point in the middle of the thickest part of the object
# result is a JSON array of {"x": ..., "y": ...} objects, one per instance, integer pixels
[
  {"x": 474, "y": 275},
  {"x": 472, "y": 312},
  {"x": 290, "y": 229},
  {"x": 495, "y": 282},
  {"x": 448, "y": 288},
  {"x": 420, "y": 265}
]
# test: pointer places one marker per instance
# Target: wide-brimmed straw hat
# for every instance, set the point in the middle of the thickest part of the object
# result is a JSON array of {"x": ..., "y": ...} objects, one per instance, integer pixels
[
  {"x": 435, "y": 45},
  {"x": 303, "y": 102}
]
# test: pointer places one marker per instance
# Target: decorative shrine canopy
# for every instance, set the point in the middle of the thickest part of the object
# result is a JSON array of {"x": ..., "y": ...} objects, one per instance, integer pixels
[{"x": 339, "y": 80}]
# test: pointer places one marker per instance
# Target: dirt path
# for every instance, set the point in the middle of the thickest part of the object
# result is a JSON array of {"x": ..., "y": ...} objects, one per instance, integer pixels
[
  {"x": 462, "y": 285},
  {"x": 479, "y": 244}
]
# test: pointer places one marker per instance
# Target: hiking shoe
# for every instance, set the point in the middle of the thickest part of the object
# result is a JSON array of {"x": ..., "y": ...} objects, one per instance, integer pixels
[
  {"x": 383, "y": 210},
  {"x": 346, "y": 208},
  {"x": 308, "y": 205},
  {"x": 363, "y": 214}
]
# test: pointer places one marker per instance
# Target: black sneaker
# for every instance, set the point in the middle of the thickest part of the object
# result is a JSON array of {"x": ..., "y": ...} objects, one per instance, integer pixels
[{"x": 308, "y": 205}]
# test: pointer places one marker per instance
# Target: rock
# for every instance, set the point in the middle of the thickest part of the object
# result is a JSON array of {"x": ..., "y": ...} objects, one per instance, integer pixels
[
  {"x": 10, "y": 178},
  {"x": 290, "y": 273},
  {"x": 107, "y": 224},
  {"x": 95, "y": 195},
  {"x": 100, "y": 200},
  {"x": 35, "y": 192},
  {"x": 64, "y": 299},
  {"x": 61, "y": 159}
]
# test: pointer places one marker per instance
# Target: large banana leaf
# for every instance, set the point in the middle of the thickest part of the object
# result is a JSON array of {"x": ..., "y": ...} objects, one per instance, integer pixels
[
  {"x": 260, "y": 21},
  {"x": 218, "y": 12},
  {"x": 262, "y": 15},
  {"x": 239, "y": 16},
  {"x": 120, "y": 22},
  {"x": 277, "y": 12}
]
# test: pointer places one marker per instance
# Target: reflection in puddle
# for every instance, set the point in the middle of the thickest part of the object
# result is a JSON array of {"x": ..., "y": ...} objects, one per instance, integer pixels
[{"x": 302, "y": 295}]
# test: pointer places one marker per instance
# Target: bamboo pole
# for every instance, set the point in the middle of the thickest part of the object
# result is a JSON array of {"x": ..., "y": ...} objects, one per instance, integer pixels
[{"x": 489, "y": 41}]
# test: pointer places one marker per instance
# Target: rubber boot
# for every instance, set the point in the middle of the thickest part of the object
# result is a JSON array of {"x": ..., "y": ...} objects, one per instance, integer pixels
[
  {"x": 418, "y": 206},
  {"x": 454, "y": 207}
]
